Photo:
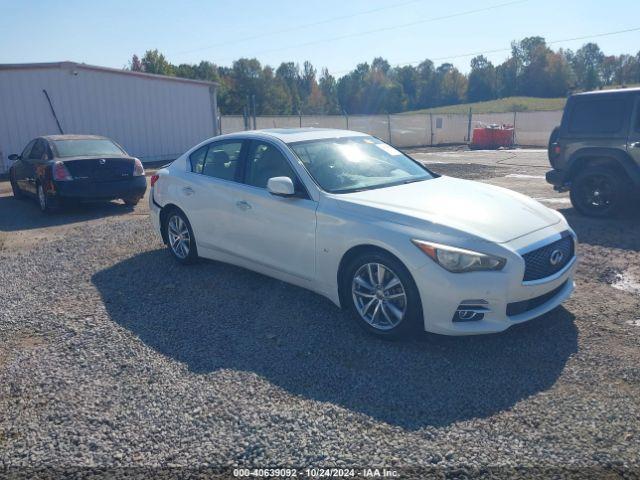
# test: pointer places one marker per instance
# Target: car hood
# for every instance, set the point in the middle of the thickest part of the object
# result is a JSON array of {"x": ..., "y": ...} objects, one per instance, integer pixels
[{"x": 492, "y": 213}]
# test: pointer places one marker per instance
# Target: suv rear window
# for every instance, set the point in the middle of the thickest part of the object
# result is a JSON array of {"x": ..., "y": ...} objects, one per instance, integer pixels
[{"x": 597, "y": 116}]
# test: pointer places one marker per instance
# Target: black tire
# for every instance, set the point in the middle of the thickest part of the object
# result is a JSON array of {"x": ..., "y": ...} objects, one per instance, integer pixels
[
  {"x": 169, "y": 228},
  {"x": 412, "y": 320},
  {"x": 17, "y": 193},
  {"x": 600, "y": 192},
  {"x": 131, "y": 201}
]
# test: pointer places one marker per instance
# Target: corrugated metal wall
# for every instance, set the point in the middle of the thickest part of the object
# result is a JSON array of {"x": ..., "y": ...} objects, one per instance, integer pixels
[{"x": 153, "y": 119}]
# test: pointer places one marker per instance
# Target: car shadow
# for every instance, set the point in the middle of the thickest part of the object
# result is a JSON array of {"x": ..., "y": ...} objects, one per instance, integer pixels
[
  {"x": 214, "y": 316},
  {"x": 24, "y": 214},
  {"x": 622, "y": 232}
]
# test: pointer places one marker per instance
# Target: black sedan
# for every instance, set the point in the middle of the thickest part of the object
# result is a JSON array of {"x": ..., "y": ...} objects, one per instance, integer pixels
[{"x": 56, "y": 168}]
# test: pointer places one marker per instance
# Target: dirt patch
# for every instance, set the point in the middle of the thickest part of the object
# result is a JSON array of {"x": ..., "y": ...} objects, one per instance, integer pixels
[{"x": 26, "y": 341}]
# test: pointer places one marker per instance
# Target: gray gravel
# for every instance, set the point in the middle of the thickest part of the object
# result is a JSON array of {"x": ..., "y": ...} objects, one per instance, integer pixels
[{"x": 115, "y": 356}]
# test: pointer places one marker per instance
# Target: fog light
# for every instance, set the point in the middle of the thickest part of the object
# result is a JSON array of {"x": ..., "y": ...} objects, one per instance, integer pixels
[{"x": 471, "y": 311}]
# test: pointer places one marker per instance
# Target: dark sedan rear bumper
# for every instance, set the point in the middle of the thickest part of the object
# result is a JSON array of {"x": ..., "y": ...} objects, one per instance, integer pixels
[{"x": 88, "y": 190}]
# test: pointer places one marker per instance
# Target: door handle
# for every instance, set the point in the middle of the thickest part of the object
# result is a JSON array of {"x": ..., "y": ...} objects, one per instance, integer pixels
[
  {"x": 188, "y": 190},
  {"x": 242, "y": 205}
]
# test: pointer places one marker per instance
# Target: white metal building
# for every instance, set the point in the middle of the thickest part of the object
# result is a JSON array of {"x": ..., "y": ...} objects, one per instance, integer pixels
[{"x": 153, "y": 117}]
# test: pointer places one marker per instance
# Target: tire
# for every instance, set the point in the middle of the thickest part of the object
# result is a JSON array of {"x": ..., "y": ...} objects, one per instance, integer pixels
[
  {"x": 399, "y": 310},
  {"x": 17, "y": 193},
  {"x": 599, "y": 192},
  {"x": 180, "y": 239},
  {"x": 45, "y": 202},
  {"x": 131, "y": 201}
]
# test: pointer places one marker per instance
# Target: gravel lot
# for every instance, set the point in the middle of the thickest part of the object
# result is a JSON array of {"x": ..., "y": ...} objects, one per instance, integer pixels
[{"x": 115, "y": 356}]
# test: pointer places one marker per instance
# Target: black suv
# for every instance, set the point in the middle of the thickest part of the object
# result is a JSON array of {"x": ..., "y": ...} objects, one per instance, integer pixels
[{"x": 595, "y": 152}]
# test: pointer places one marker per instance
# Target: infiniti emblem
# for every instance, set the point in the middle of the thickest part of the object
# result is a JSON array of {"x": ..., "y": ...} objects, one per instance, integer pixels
[
  {"x": 556, "y": 257},
  {"x": 102, "y": 161}
]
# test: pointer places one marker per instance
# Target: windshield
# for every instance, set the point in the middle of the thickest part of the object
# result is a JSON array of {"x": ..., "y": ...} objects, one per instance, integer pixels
[
  {"x": 342, "y": 165},
  {"x": 86, "y": 148}
]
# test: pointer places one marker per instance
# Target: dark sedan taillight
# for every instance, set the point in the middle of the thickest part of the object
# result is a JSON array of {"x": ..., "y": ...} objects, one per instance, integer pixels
[
  {"x": 61, "y": 173},
  {"x": 138, "y": 169}
]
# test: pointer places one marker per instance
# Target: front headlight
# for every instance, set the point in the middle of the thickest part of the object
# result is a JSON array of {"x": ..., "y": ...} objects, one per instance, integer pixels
[{"x": 458, "y": 260}]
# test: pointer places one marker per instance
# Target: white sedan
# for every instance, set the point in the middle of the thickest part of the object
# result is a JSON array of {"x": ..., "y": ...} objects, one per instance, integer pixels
[{"x": 352, "y": 218}]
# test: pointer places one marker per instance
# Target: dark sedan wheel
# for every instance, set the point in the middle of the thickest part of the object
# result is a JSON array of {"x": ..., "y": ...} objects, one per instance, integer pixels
[
  {"x": 382, "y": 295},
  {"x": 17, "y": 193},
  {"x": 45, "y": 202},
  {"x": 180, "y": 238},
  {"x": 599, "y": 192}
]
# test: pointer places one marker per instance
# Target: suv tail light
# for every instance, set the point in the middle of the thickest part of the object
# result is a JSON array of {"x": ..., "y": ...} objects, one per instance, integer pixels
[
  {"x": 154, "y": 179},
  {"x": 138, "y": 169},
  {"x": 60, "y": 172}
]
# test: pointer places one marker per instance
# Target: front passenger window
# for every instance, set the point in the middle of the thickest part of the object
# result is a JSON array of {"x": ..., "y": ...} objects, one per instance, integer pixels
[{"x": 264, "y": 162}]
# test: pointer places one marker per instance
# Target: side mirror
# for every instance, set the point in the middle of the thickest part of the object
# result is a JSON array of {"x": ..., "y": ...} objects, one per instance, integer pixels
[
  {"x": 14, "y": 156},
  {"x": 281, "y": 186}
]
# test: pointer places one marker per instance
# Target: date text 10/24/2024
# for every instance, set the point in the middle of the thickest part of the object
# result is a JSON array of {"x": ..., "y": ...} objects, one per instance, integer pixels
[{"x": 315, "y": 472}]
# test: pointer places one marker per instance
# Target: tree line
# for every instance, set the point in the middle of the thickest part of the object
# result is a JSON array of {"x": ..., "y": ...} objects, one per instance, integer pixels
[{"x": 532, "y": 69}]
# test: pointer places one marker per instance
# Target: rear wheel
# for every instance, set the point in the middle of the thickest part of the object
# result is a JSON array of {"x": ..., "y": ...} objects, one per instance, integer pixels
[
  {"x": 382, "y": 295},
  {"x": 45, "y": 202},
  {"x": 180, "y": 238},
  {"x": 599, "y": 192}
]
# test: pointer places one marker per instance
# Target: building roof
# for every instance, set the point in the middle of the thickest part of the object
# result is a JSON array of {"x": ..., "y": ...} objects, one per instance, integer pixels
[{"x": 84, "y": 66}]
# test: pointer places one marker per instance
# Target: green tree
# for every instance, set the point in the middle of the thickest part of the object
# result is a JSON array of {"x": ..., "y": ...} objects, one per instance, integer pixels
[
  {"x": 482, "y": 80},
  {"x": 155, "y": 62},
  {"x": 587, "y": 63}
]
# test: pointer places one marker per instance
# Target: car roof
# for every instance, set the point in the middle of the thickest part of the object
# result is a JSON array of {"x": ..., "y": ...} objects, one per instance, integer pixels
[
  {"x": 292, "y": 135},
  {"x": 610, "y": 92},
  {"x": 74, "y": 137}
]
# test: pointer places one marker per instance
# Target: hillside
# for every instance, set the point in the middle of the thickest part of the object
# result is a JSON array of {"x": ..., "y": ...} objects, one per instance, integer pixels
[{"x": 509, "y": 104}]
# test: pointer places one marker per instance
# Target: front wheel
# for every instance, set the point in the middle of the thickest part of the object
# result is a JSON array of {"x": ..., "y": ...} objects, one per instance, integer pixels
[
  {"x": 599, "y": 192},
  {"x": 180, "y": 238},
  {"x": 382, "y": 295},
  {"x": 17, "y": 193}
]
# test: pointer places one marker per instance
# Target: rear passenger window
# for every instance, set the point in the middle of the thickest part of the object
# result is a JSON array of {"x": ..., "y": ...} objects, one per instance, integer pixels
[
  {"x": 197, "y": 159},
  {"x": 598, "y": 116},
  {"x": 221, "y": 160}
]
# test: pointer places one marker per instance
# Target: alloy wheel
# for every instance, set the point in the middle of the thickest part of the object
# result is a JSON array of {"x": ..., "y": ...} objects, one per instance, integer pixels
[
  {"x": 42, "y": 199},
  {"x": 598, "y": 192},
  {"x": 179, "y": 237},
  {"x": 379, "y": 296}
]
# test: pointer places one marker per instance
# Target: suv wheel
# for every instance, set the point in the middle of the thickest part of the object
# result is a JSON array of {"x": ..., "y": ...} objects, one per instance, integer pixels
[
  {"x": 382, "y": 295},
  {"x": 599, "y": 192}
]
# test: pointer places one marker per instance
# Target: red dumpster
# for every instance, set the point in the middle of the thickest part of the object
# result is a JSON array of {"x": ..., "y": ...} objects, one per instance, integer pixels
[{"x": 492, "y": 137}]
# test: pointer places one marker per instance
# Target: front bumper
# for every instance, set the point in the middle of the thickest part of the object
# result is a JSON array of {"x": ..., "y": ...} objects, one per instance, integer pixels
[
  {"x": 504, "y": 292},
  {"x": 88, "y": 190}
]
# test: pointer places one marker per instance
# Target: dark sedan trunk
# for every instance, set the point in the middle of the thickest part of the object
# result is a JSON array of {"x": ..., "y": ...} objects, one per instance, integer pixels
[{"x": 101, "y": 169}]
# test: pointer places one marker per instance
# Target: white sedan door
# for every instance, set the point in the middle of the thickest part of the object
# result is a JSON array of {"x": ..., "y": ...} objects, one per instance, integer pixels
[
  {"x": 277, "y": 232},
  {"x": 209, "y": 192}
]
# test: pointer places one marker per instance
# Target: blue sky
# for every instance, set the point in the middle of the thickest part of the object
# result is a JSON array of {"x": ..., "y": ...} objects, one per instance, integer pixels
[{"x": 109, "y": 32}]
